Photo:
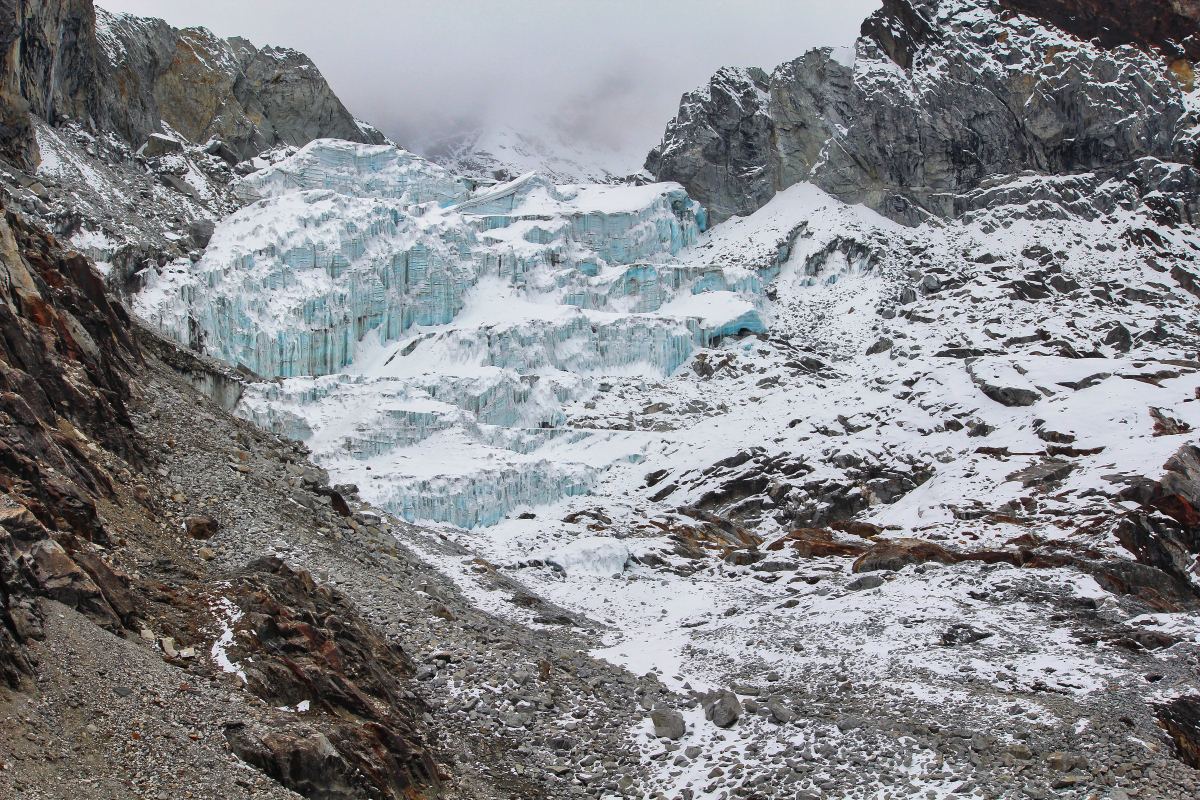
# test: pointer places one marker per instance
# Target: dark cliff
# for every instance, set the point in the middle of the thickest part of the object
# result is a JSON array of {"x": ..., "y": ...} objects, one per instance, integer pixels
[{"x": 1169, "y": 26}]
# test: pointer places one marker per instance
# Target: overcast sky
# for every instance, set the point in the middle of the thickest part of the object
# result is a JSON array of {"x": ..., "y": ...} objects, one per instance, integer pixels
[{"x": 613, "y": 70}]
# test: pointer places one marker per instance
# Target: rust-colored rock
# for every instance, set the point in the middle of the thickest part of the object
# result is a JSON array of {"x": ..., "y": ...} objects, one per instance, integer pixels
[
  {"x": 66, "y": 355},
  {"x": 1181, "y": 718},
  {"x": 1170, "y": 26},
  {"x": 113, "y": 584},
  {"x": 866, "y": 530},
  {"x": 896, "y": 554},
  {"x": 200, "y": 527},
  {"x": 310, "y": 643},
  {"x": 1166, "y": 425},
  {"x": 1178, "y": 508},
  {"x": 816, "y": 543}
]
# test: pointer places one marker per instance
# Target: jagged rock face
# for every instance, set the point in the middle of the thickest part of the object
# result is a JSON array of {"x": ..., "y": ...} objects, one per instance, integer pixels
[
  {"x": 47, "y": 67},
  {"x": 1172, "y": 26},
  {"x": 203, "y": 86},
  {"x": 132, "y": 75},
  {"x": 722, "y": 141},
  {"x": 65, "y": 357},
  {"x": 309, "y": 644},
  {"x": 939, "y": 103}
]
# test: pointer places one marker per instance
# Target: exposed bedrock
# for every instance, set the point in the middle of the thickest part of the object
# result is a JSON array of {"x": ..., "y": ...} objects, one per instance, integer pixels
[
  {"x": 65, "y": 59},
  {"x": 1172, "y": 26},
  {"x": 936, "y": 103}
]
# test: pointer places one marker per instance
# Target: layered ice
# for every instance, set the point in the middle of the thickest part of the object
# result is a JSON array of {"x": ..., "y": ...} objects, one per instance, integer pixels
[
  {"x": 396, "y": 303},
  {"x": 351, "y": 239}
]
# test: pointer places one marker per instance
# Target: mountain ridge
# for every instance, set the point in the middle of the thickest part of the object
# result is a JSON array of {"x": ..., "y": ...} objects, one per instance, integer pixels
[
  {"x": 131, "y": 75},
  {"x": 917, "y": 143}
]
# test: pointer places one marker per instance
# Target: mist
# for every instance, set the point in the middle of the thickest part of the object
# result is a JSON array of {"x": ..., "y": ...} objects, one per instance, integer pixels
[{"x": 608, "y": 73}]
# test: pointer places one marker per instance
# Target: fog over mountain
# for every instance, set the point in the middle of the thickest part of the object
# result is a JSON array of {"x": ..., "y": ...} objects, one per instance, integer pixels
[{"x": 609, "y": 73}]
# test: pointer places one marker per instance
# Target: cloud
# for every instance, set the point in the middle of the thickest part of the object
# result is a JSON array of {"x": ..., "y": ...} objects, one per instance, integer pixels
[{"x": 608, "y": 73}]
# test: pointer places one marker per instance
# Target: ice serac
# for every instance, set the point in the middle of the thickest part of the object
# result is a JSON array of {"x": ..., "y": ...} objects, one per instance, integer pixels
[
  {"x": 411, "y": 311},
  {"x": 290, "y": 285},
  {"x": 938, "y": 101},
  {"x": 384, "y": 172}
]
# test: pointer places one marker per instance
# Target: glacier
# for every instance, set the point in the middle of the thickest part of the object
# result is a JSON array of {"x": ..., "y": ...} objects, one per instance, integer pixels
[{"x": 386, "y": 303}]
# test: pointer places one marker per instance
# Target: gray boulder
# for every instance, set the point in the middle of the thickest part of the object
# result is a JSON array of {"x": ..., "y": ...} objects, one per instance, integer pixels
[
  {"x": 779, "y": 711},
  {"x": 668, "y": 723},
  {"x": 722, "y": 707}
]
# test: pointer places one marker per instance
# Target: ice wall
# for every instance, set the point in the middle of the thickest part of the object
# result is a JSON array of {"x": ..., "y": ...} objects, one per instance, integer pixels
[
  {"x": 400, "y": 304},
  {"x": 354, "y": 238},
  {"x": 360, "y": 170}
]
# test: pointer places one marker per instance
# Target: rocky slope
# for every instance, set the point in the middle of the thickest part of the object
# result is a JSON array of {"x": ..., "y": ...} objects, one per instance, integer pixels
[{"x": 939, "y": 108}]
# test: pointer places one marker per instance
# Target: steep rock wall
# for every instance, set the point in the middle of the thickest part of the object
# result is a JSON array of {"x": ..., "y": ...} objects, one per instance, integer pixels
[
  {"x": 1172, "y": 26},
  {"x": 48, "y": 67},
  {"x": 66, "y": 59},
  {"x": 937, "y": 100},
  {"x": 203, "y": 86}
]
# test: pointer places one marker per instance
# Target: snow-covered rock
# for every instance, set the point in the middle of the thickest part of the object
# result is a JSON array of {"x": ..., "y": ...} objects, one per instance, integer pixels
[{"x": 591, "y": 555}]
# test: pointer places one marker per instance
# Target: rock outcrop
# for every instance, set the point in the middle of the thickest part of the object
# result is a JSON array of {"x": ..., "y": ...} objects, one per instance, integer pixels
[
  {"x": 48, "y": 67},
  {"x": 205, "y": 87},
  {"x": 135, "y": 76},
  {"x": 1181, "y": 718},
  {"x": 1171, "y": 26},
  {"x": 66, "y": 356},
  {"x": 938, "y": 109},
  {"x": 307, "y": 646}
]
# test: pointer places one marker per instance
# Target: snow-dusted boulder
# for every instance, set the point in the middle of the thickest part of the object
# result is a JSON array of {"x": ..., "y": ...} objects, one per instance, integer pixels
[{"x": 591, "y": 555}]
